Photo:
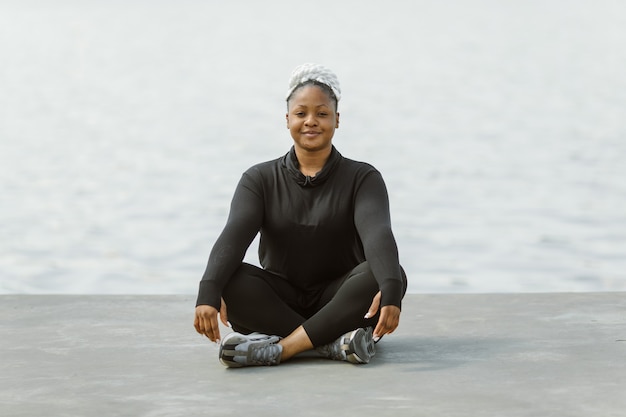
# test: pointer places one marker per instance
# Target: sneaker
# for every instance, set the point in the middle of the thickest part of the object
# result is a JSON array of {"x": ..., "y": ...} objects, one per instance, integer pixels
[
  {"x": 356, "y": 346},
  {"x": 237, "y": 350}
]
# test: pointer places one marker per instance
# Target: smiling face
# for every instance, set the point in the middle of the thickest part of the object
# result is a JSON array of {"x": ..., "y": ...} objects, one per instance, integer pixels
[{"x": 312, "y": 118}]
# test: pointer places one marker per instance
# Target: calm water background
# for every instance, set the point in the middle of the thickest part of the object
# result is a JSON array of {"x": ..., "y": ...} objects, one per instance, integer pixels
[{"x": 499, "y": 128}]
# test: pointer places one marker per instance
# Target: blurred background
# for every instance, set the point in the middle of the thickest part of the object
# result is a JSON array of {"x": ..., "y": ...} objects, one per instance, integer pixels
[{"x": 498, "y": 126}]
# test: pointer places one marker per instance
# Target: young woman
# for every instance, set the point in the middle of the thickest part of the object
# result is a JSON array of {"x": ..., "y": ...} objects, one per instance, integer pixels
[{"x": 330, "y": 277}]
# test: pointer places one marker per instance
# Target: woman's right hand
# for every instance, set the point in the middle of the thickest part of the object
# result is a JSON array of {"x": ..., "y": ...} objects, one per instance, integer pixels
[{"x": 206, "y": 323}]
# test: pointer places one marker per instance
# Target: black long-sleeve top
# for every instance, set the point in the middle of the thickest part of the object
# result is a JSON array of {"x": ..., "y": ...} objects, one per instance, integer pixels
[{"x": 313, "y": 229}]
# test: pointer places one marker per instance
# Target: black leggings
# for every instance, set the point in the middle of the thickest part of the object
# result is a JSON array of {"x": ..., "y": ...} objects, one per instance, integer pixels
[{"x": 260, "y": 301}]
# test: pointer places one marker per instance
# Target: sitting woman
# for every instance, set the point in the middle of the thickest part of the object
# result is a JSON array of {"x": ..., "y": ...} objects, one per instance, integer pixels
[{"x": 331, "y": 279}]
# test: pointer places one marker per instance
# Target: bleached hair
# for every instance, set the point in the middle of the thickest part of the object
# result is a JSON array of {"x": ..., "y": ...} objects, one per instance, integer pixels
[{"x": 314, "y": 74}]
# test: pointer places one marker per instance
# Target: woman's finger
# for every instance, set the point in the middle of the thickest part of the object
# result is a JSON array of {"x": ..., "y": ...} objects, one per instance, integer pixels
[
  {"x": 196, "y": 324},
  {"x": 215, "y": 330}
]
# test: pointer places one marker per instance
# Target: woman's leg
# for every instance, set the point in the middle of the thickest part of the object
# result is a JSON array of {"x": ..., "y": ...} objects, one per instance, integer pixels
[
  {"x": 261, "y": 306},
  {"x": 345, "y": 303},
  {"x": 258, "y": 301},
  {"x": 297, "y": 342}
]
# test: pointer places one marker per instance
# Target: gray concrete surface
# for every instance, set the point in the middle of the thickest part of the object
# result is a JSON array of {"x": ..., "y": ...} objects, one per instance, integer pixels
[{"x": 453, "y": 355}]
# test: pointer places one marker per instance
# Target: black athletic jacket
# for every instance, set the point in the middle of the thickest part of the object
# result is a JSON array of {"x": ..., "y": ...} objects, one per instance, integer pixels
[{"x": 313, "y": 229}]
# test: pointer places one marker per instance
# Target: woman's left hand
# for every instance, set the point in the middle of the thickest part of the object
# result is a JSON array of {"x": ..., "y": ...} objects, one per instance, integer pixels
[{"x": 388, "y": 320}]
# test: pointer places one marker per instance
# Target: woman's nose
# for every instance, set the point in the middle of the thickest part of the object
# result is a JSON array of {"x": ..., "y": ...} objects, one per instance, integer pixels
[{"x": 310, "y": 121}]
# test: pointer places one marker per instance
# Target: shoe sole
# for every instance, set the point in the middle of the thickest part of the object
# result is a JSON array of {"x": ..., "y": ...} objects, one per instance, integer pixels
[
  {"x": 361, "y": 347},
  {"x": 227, "y": 350}
]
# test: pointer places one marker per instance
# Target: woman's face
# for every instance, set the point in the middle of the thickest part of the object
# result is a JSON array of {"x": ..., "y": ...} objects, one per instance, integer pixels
[{"x": 312, "y": 119}]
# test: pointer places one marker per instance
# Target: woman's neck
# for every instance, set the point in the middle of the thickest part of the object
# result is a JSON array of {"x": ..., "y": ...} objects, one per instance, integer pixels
[{"x": 312, "y": 162}]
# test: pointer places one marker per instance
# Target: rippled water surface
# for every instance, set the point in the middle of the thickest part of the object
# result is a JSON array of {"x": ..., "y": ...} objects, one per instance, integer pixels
[{"x": 498, "y": 126}]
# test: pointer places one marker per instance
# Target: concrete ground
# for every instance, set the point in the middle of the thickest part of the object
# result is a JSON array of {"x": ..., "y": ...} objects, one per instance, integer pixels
[{"x": 453, "y": 355}]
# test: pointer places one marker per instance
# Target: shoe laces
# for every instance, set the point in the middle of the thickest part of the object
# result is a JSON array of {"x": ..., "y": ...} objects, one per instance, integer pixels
[
  {"x": 268, "y": 354},
  {"x": 335, "y": 350}
]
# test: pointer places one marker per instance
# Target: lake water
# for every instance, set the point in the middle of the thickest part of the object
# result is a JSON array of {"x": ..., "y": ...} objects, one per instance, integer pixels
[{"x": 498, "y": 126}]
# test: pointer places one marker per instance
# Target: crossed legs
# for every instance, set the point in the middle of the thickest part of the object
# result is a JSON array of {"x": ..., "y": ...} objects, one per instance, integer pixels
[{"x": 260, "y": 301}]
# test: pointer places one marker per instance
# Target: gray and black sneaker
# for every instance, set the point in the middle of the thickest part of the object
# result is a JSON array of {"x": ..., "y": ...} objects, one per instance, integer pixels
[
  {"x": 356, "y": 346},
  {"x": 237, "y": 350}
]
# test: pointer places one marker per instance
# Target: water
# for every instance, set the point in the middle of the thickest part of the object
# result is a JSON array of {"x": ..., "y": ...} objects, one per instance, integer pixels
[{"x": 499, "y": 128}]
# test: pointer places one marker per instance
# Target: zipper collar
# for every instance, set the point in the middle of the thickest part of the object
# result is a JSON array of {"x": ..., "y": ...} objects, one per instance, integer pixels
[{"x": 290, "y": 162}]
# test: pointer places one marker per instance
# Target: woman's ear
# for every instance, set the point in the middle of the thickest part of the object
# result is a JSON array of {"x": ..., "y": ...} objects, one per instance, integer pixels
[
  {"x": 287, "y": 119},
  {"x": 337, "y": 123}
]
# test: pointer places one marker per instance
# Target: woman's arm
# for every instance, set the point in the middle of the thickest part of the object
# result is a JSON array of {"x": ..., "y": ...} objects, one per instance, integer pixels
[
  {"x": 244, "y": 222},
  {"x": 373, "y": 223}
]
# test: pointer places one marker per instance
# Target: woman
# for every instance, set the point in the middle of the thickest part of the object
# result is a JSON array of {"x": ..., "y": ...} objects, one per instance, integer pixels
[{"x": 331, "y": 279}]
